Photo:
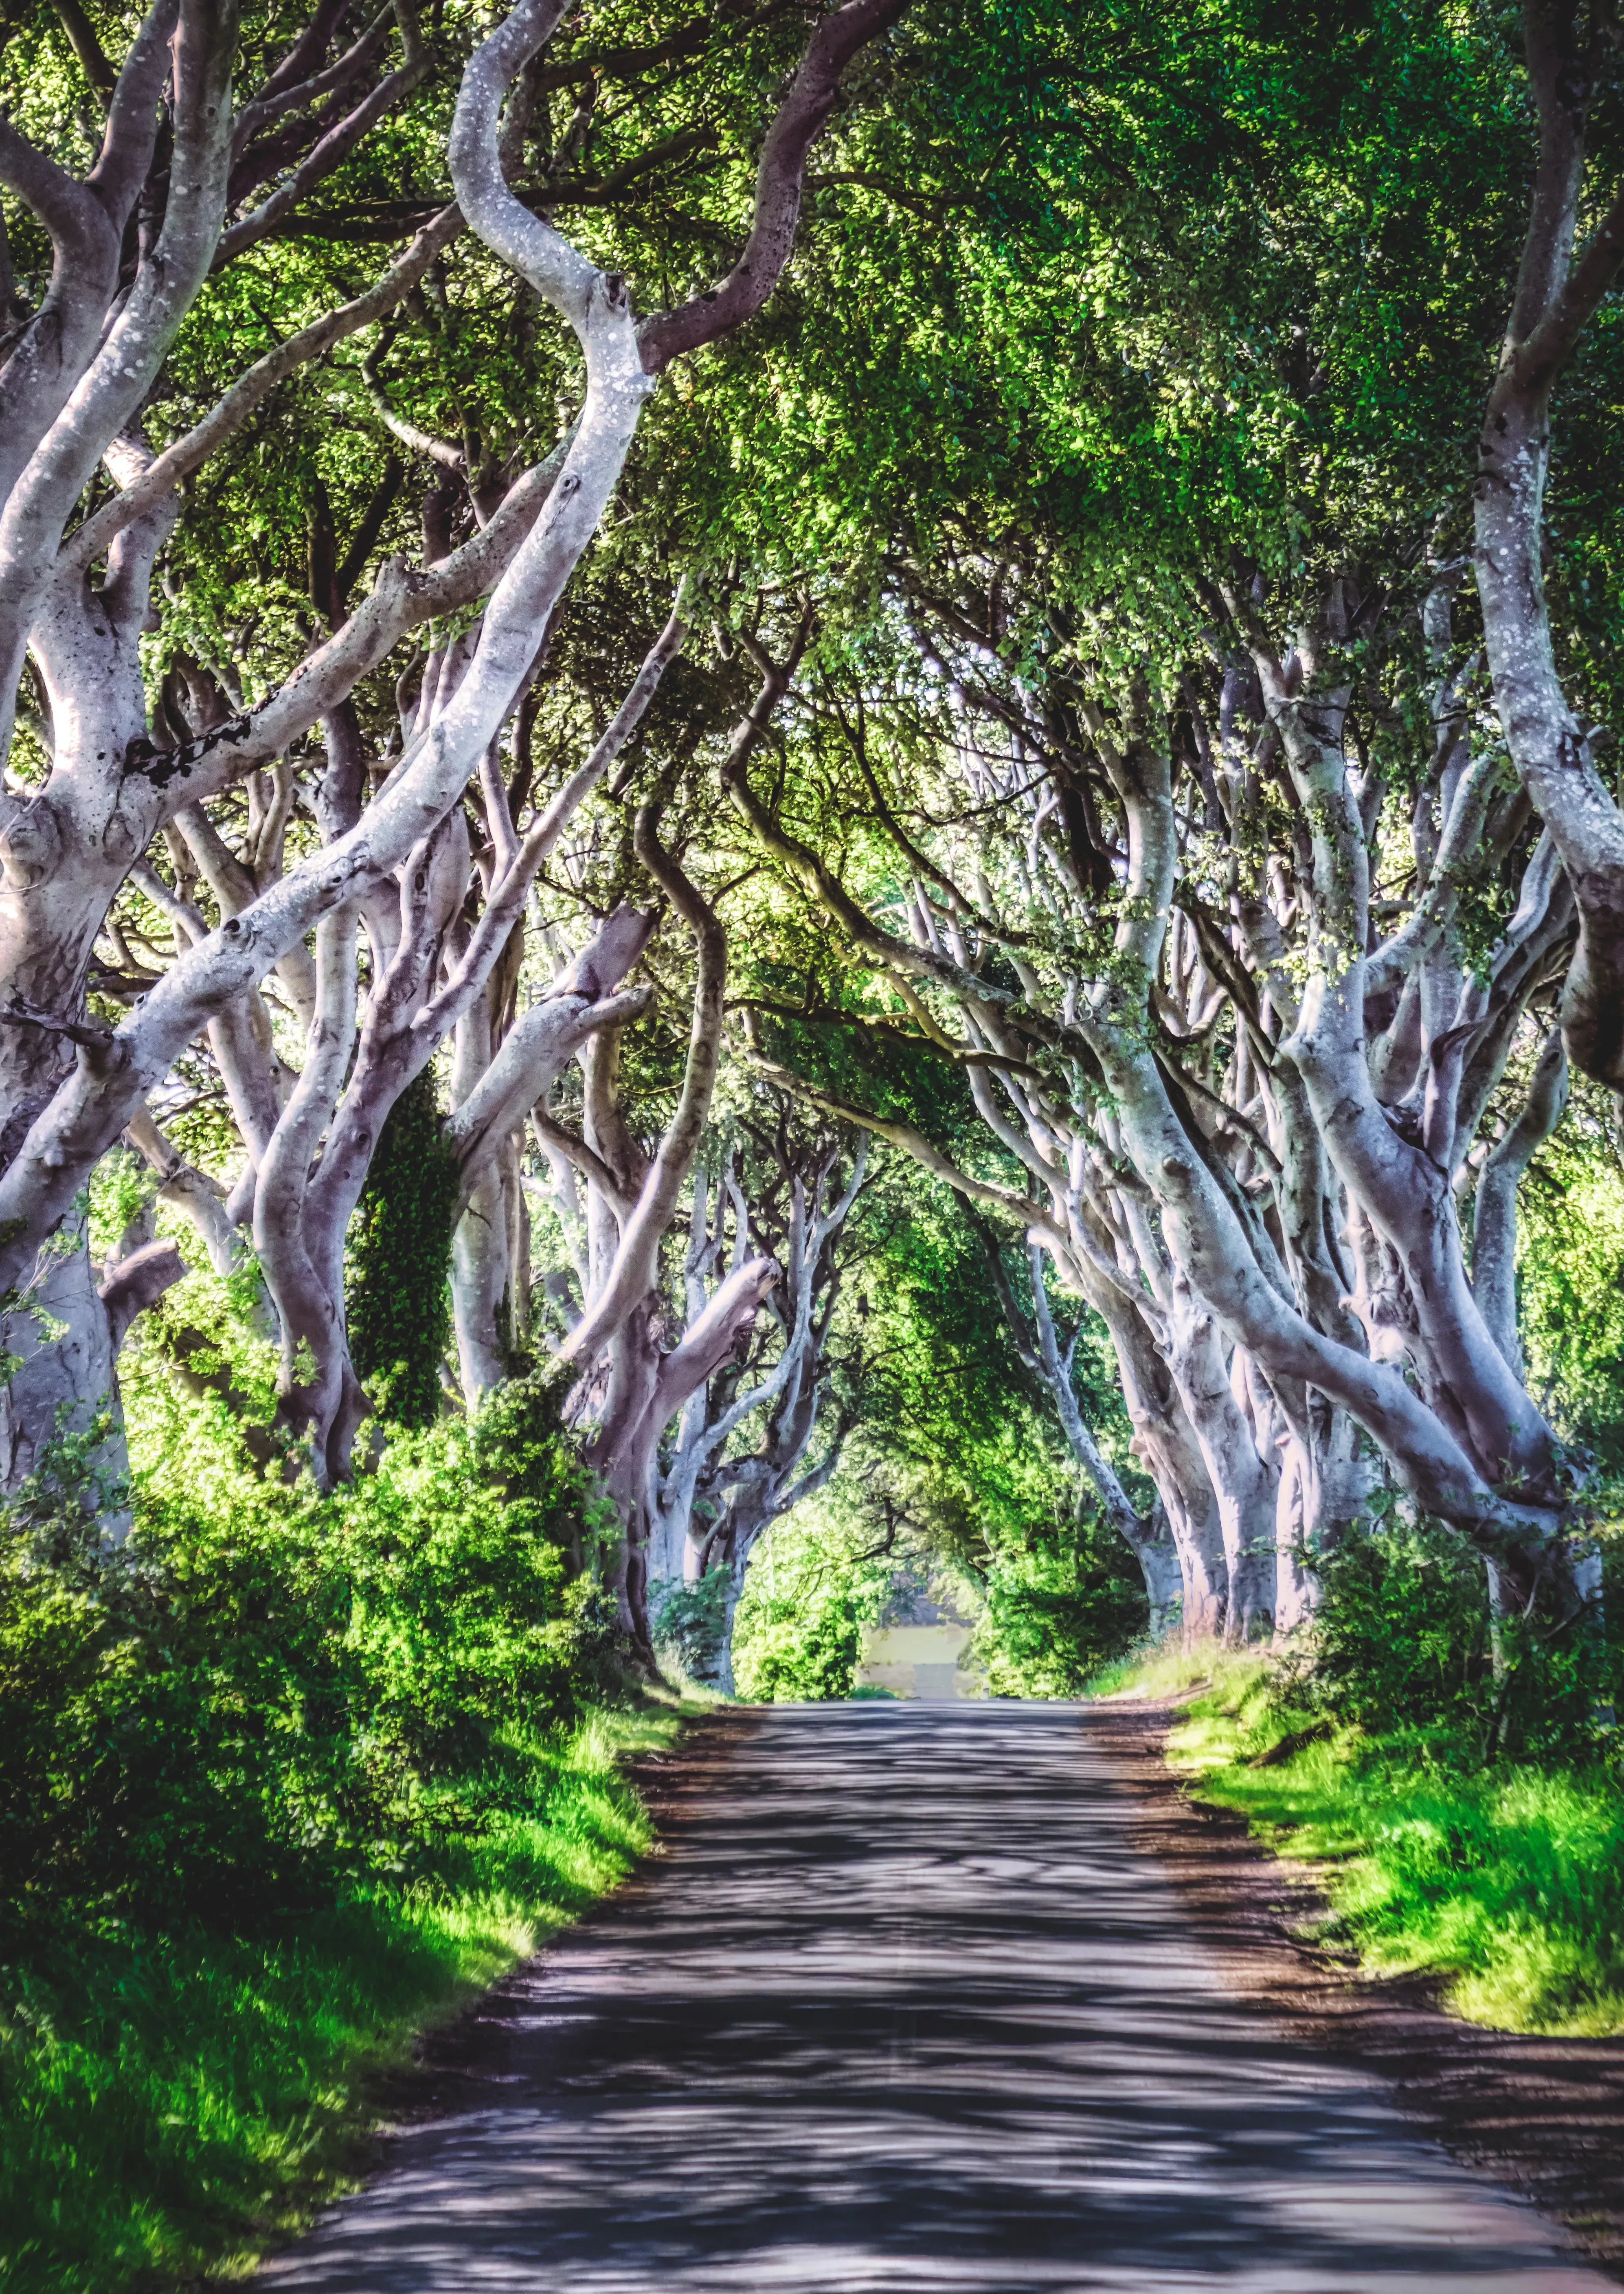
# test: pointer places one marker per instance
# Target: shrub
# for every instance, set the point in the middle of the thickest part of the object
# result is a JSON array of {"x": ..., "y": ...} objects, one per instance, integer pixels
[
  {"x": 278, "y": 1781},
  {"x": 268, "y": 1691},
  {"x": 802, "y": 1648},
  {"x": 1401, "y": 1632},
  {"x": 1402, "y": 1642},
  {"x": 1057, "y": 1607},
  {"x": 1506, "y": 1881},
  {"x": 689, "y": 1622}
]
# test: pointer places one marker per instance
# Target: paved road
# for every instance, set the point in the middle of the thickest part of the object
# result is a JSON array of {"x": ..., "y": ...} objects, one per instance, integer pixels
[{"x": 903, "y": 2009}]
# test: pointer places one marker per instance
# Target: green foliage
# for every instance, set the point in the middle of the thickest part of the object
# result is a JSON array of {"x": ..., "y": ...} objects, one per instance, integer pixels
[
  {"x": 174, "y": 2100},
  {"x": 1570, "y": 1275},
  {"x": 268, "y": 1692},
  {"x": 397, "y": 1293},
  {"x": 1116, "y": 301},
  {"x": 518, "y": 1444},
  {"x": 813, "y": 1582},
  {"x": 688, "y": 1624},
  {"x": 795, "y": 1648},
  {"x": 1403, "y": 1645},
  {"x": 1462, "y": 1823},
  {"x": 1401, "y": 1634},
  {"x": 1506, "y": 1882},
  {"x": 950, "y": 1447},
  {"x": 276, "y": 1779},
  {"x": 1058, "y": 1604},
  {"x": 121, "y": 1188}
]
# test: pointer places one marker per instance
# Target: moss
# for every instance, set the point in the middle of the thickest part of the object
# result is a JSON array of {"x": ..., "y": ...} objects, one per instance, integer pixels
[{"x": 397, "y": 1280}]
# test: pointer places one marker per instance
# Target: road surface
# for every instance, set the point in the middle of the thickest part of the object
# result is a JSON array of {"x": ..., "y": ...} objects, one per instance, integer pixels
[{"x": 902, "y": 2008}]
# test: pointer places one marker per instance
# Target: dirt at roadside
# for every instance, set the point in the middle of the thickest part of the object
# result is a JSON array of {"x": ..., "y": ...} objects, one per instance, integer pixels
[{"x": 1544, "y": 2116}]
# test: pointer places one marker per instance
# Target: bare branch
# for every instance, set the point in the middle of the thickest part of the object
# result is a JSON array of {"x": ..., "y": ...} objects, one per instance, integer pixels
[
  {"x": 795, "y": 126},
  {"x": 230, "y": 411},
  {"x": 333, "y": 149}
]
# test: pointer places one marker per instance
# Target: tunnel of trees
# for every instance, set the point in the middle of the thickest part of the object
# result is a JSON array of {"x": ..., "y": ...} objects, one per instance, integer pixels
[{"x": 832, "y": 782}]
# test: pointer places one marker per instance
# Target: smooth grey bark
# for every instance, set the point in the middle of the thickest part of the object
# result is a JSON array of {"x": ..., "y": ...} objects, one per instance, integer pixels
[
  {"x": 647, "y": 1388},
  {"x": 60, "y": 1373},
  {"x": 1102, "y": 1248},
  {"x": 201, "y": 1199},
  {"x": 1148, "y": 1537},
  {"x": 631, "y": 1387},
  {"x": 1494, "y": 1232},
  {"x": 1274, "y": 1207},
  {"x": 500, "y": 1073},
  {"x": 1452, "y": 1448},
  {"x": 1572, "y": 55},
  {"x": 710, "y": 1506},
  {"x": 68, "y": 1085}
]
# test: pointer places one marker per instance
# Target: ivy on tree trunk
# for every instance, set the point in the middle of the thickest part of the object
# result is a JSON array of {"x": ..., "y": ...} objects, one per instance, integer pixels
[{"x": 398, "y": 1281}]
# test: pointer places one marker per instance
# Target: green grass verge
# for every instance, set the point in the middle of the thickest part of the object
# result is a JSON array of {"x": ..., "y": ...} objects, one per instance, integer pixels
[
  {"x": 171, "y": 2106},
  {"x": 1507, "y": 1883}
]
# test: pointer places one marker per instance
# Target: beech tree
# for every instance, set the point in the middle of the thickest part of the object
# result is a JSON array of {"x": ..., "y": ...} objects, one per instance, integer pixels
[
  {"x": 650, "y": 1361},
  {"x": 1239, "y": 1112},
  {"x": 714, "y": 1501},
  {"x": 1172, "y": 810},
  {"x": 1037, "y": 1344},
  {"x": 1157, "y": 734},
  {"x": 189, "y": 179},
  {"x": 1570, "y": 260}
]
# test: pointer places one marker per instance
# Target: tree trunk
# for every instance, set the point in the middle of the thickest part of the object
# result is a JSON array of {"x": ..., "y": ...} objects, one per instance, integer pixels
[{"x": 55, "y": 1334}]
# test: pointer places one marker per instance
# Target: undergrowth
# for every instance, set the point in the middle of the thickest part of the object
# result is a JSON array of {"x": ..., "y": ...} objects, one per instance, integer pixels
[
  {"x": 1506, "y": 1882},
  {"x": 1453, "y": 1783},
  {"x": 171, "y": 2101},
  {"x": 282, "y": 1780}
]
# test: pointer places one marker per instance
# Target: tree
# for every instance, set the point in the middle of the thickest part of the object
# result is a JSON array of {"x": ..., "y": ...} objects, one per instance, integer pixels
[
  {"x": 714, "y": 1503},
  {"x": 171, "y": 211},
  {"x": 1175, "y": 1600},
  {"x": 1170, "y": 815}
]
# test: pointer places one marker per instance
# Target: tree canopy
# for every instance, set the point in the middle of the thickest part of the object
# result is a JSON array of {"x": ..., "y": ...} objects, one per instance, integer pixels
[
  {"x": 655, "y": 660},
  {"x": 804, "y": 807}
]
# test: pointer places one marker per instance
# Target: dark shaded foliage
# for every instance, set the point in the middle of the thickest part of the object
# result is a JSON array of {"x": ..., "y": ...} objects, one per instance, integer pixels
[
  {"x": 268, "y": 1693},
  {"x": 1060, "y": 1603},
  {"x": 1404, "y": 1642},
  {"x": 397, "y": 1294}
]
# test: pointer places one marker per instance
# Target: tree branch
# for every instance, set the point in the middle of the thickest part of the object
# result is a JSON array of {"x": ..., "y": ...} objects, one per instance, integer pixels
[{"x": 798, "y": 121}]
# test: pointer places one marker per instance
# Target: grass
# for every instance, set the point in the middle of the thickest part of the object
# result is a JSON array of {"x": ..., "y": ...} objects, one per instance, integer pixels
[
  {"x": 1505, "y": 1884},
  {"x": 172, "y": 2105},
  {"x": 1157, "y": 1674}
]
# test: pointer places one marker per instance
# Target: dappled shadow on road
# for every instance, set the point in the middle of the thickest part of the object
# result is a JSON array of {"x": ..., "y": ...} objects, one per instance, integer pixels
[
  {"x": 902, "y": 2006},
  {"x": 1543, "y": 2113}
]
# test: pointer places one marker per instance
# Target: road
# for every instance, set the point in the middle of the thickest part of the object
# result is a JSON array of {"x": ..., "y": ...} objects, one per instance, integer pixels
[{"x": 902, "y": 2007}]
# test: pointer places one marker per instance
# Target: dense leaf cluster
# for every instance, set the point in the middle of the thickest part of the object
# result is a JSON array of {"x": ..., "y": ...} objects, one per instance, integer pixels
[
  {"x": 399, "y": 1258},
  {"x": 1407, "y": 1644},
  {"x": 268, "y": 1694}
]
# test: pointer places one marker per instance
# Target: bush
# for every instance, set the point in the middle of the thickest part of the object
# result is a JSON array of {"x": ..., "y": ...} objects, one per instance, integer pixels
[
  {"x": 269, "y": 1691},
  {"x": 1401, "y": 1632},
  {"x": 688, "y": 1624},
  {"x": 1506, "y": 1882},
  {"x": 172, "y": 2101},
  {"x": 802, "y": 1649},
  {"x": 278, "y": 1781},
  {"x": 1402, "y": 1642},
  {"x": 1057, "y": 1607}
]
